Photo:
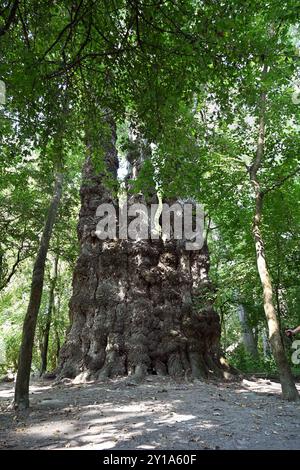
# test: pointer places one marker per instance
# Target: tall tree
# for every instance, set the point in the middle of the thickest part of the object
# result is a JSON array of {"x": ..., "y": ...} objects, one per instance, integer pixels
[
  {"x": 21, "y": 399},
  {"x": 289, "y": 390}
]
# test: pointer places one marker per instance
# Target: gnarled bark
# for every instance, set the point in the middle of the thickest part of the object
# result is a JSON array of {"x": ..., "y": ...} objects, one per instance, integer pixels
[{"x": 138, "y": 306}]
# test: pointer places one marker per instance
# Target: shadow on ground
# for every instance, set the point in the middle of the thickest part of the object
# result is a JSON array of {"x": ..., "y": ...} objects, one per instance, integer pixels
[{"x": 157, "y": 414}]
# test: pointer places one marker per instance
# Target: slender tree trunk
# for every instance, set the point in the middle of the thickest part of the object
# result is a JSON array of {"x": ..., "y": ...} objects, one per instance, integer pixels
[
  {"x": 289, "y": 390},
  {"x": 266, "y": 344},
  {"x": 223, "y": 328},
  {"x": 285, "y": 340},
  {"x": 46, "y": 332},
  {"x": 57, "y": 346},
  {"x": 29, "y": 326},
  {"x": 56, "y": 313},
  {"x": 278, "y": 304},
  {"x": 248, "y": 336}
]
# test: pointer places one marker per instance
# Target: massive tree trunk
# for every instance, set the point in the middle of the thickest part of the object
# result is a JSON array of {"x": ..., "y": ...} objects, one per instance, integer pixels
[
  {"x": 29, "y": 326},
  {"x": 289, "y": 390},
  {"x": 46, "y": 331},
  {"x": 138, "y": 307}
]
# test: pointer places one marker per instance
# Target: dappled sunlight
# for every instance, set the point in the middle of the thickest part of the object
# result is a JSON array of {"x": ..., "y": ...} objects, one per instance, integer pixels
[
  {"x": 262, "y": 386},
  {"x": 177, "y": 418},
  {"x": 148, "y": 416},
  {"x": 149, "y": 224},
  {"x": 7, "y": 391},
  {"x": 146, "y": 447}
]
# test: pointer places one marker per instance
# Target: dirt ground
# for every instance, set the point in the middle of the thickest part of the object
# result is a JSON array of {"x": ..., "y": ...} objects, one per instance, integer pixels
[{"x": 157, "y": 414}]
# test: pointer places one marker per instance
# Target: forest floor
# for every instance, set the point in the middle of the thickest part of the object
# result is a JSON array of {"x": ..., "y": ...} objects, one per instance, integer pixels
[{"x": 157, "y": 414}]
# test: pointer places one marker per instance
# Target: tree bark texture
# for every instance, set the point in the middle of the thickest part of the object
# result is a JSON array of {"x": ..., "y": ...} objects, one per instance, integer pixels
[{"x": 138, "y": 307}]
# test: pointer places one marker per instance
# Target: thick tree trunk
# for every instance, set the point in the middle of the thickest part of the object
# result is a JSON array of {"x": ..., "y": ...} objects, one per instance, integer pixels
[
  {"x": 289, "y": 390},
  {"x": 29, "y": 326},
  {"x": 46, "y": 332},
  {"x": 248, "y": 337},
  {"x": 137, "y": 307}
]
